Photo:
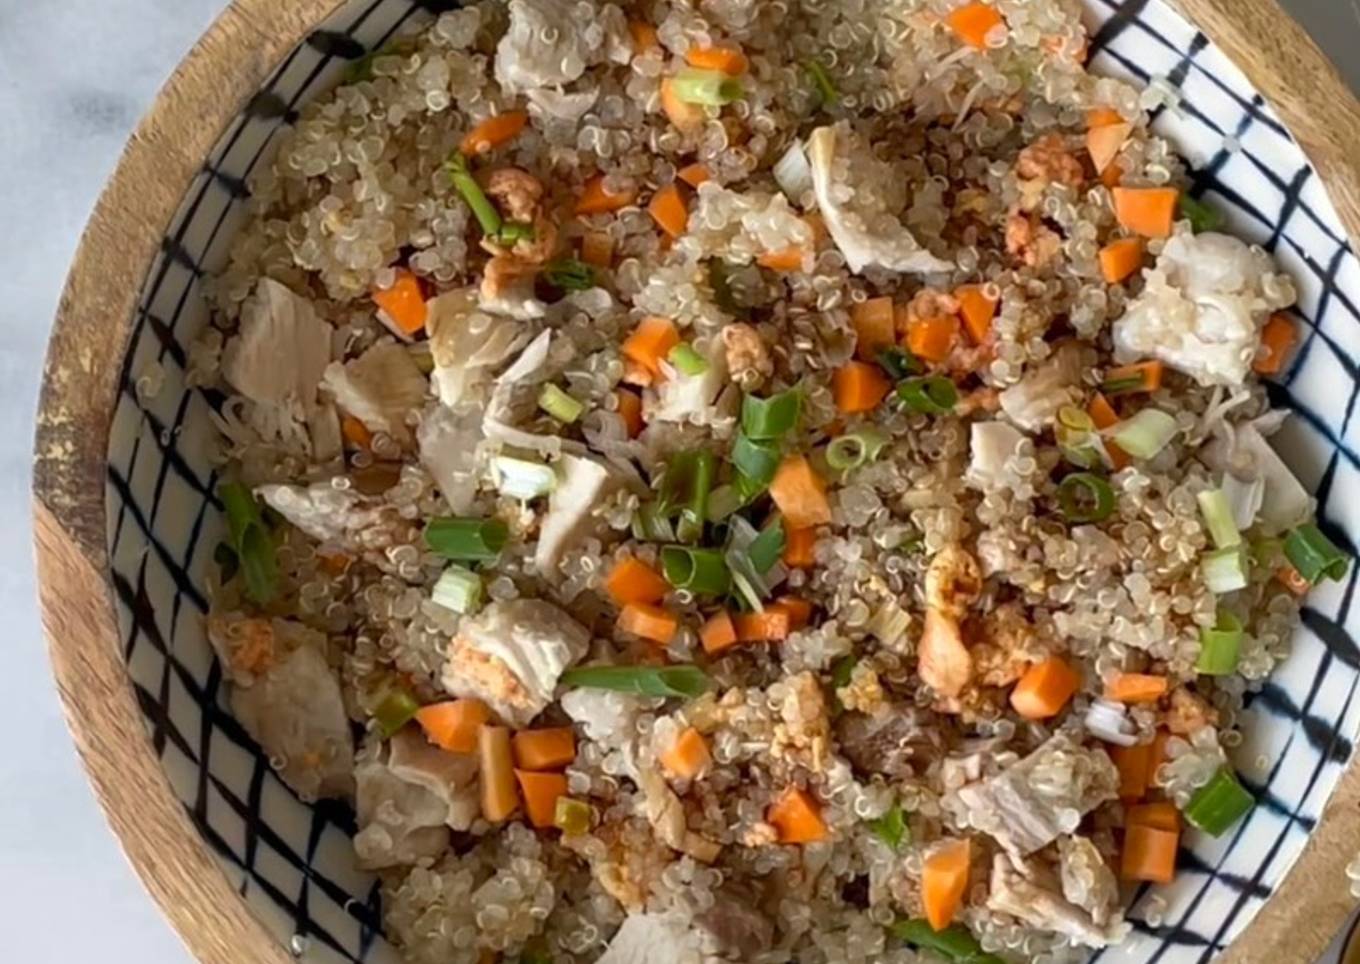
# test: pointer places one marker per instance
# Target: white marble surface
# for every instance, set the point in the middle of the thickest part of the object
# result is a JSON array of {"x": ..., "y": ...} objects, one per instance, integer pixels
[{"x": 74, "y": 77}]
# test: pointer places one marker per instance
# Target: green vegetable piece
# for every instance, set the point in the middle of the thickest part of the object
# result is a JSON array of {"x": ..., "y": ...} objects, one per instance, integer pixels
[
  {"x": 756, "y": 463},
  {"x": 397, "y": 709},
  {"x": 512, "y": 232},
  {"x": 855, "y": 449},
  {"x": 930, "y": 395},
  {"x": 569, "y": 274},
  {"x": 899, "y": 363},
  {"x": 651, "y": 525},
  {"x": 701, "y": 571},
  {"x": 768, "y": 547},
  {"x": 1084, "y": 498},
  {"x": 1202, "y": 217},
  {"x": 1219, "y": 804},
  {"x": 573, "y": 816},
  {"x": 466, "y": 185},
  {"x": 821, "y": 80},
  {"x": 1224, "y": 570},
  {"x": 559, "y": 404},
  {"x": 1220, "y": 647},
  {"x": 251, "y": 540},
  {"x": 956, "y": 943},
  {"x": 684, "y": 680},
  {"x": 769, "y": 419},
  {"x": 1218, "y": 519},
  {"x": 687, "y": 360},
  {"x": 467, "y": 540},
  {"x": 1145, "y": 434},
  {"x": 1314, "y": 555},
  {"x": 711, "y": 88},
  {"x": 892, "y": 827},
  {"x": 843, "y": 669},
  {"x": 458, "y": 589}
]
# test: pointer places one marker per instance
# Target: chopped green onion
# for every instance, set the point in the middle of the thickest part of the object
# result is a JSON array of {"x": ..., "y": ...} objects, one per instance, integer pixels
[
  {"x": 709, "y": 87},
  {"x": 931, "y": 395},
  {"x": 1122, "y": 386},
  {"x": 687, "y": 360},
  {"x": 682, "y": 680},
  {"x": 701, "y": 571},
  {"x": 1220, "y": 648},
  {"x": 747, "y": 595},
  {"x": 756, "y": 462},
  {"x": 892, "y": 827},
  {"x": 572, "y": 816},
  {"x": 1224, "y": 570},
  {"x": 569, "y": 274},
  {"x": 955, "y": 943},
  {"x": 467, "y": 540},
  {"x": 855, "y": 449},
  {"x": 695, "y": 472},
  {"x": 513, "y": 232},
  {"x": 1218, "y": 519},
  {"x": 482, "y": 208},
  {"x": 723, "y": 501},
  {"x": 822, "y": 81},
  {"x": 522, "y": 479},
  {"x": 768, "y": 547},
  {"x": 559, "y": 404},
  {"x": 765, "y": 419},
  {"x": 1202, "y": 217},
  {"x": 251, "y": 540},
  {"x": 843, "y": 669},
  {"x": 899, "y": 363},
  {"x": 1145, "y": 434},
  {"x": 651, "y": 525},
  {"x": 1314, "y": 555},
  {"x": 1084, "y": 497},
  {"x": 719, "y": 279},
  {"x": 397, "y": 709},
  {"x": 458, "y": 589},
  {"x": 1219, "y": 804},
  {"x": 1077, "y": 438}
]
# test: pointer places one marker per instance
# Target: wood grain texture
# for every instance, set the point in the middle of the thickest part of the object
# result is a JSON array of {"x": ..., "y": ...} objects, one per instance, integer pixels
[{"x": 94, "y": 321}]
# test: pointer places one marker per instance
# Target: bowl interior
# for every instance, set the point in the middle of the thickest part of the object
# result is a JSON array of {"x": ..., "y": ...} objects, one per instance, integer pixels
[{"x": 292, "y": 862}]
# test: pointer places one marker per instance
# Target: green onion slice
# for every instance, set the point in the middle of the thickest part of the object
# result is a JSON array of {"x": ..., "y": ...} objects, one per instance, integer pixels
[
  {"x": 1224, "y": 570},
  {"x": 708, "y": 87},
  {"x": 251, "y": 540},
  {"x": 559, "y": 404},
  {"x": 719, "y": 279},
  {"x": 756, "y": 462},
  {"x": 931, "y": 395},
  {"x": 1218, "y": 519},
  {"x": 843, "y": 669},
  {"x": 467, "y": 540},
  {"x": 466, "y": 185},
  {"x": 1084, "y": 497},
  {"x": 1220, "y": 648},
  {"x": 892, "y": 827},
  {"x": 701, "y": 571},
  {"x": 766, "y": 419},
  {"x": 1219, "y": 804},
  {"x": 572, "y": 816},
  {"x": 767, "y": 547},
  {"x": 397, "y": 709},
  {"x": 700, "y": 469},
  {"x": 955, "y": 943},
  {"x": 725, "y": 500},
  {"x": 1202, "y": 217},
  {"x": 1314, "y": 555},
  {"x": 855, "y": 449},
  {"x": 569, "y": 274},
  {"x": 683, "y": 680},
  {"x": 899, "y": 363},
  {"x": 458, "y": 589},
  {"x": 522, "y": 479},
  {"x": 1145, "y": 434},
  {"x": 687, "y": 360},
  {"x": 513, "y": 232},
  {"x": 651, "y": 525},
  {"x": 826, "y": 90}
]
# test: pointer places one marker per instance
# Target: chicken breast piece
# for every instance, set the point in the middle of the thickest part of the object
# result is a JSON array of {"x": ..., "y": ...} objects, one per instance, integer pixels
[
  {"x": 511, "y": 654},
  {"x": 684, "y": 396},
  {"x": 1028, "y": 891},
  {"x": 448, "y": 441},
  {"x": 1034, "y": 401},
  {"x": 666, "y": 814},
  {"x": 991, "y": 446},
  {"x": 400, "y": 823},
  {"x": 1032, "y": 802},
  {"x": 582, "y": 482},
  {"x": 339, "y": 517},
  {"x": 381, "y": 388},
  {"x": 281, "y": 350},
  {"x": 467, "y": 345},
  {"x": 863, "y": 222},
  {"x": 650, "y": 939}
]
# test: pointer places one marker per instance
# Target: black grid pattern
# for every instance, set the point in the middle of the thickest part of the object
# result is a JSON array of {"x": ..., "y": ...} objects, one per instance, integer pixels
[{"x": 293, "y": 862}]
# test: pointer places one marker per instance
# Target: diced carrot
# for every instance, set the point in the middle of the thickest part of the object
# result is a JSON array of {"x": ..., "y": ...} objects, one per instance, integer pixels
[
  {"x": 769, "y": 626},
  {"x": 1136, "y": 688},
  {"x": 1162, "y": 815},
  {"x": 1147, "y": 375},
  {"x": 797, "y": 816},
  {"x": 725, "y": 58},
  {"x": 688, "y": 756},
  {"x": 1293, "y": 580},
  {"x": 668, "y": 210},
  {"x": 356, "y": 432},
  {"x": 684, "y": 115},
  {"x": 1277, "y": 338},
  {"x": 1104, "y": 415},
  {"x": 859, "y": 387},
  {"x": 597, "y": 248},
  {"x": 644, "y": 36},
  {"x": 1149, "y": 854},
  {"x": 933, "y": 338},
  {"x": 541, "y": 791},
  {"x": 650, "y": 343},
  {"x": 1149, "y": 211},
  {"x": 1044, "y": 689},
  {"x": 799, "y": 545},
  {"x": 1103, "y": 117},
  {"x": 499, "y": 798},
  {"x": 978, "y": 311},
  {"x": 494, "y": 131},
  {"x": 453, "y": 725},
  {"x": 974, "y": 23},
  {"x": 785, "y": 259},
  {"x": 633, "y": 581},
  {"x": 694, "y": 174},
  {"x": 799, "y": 610},
  {"x": 718, "y": 633},
  {"x": 334, "y": 563},
  {"x": 630, "y": 410},
  {"x": 1134, "y": 764},
  {"x": 1158, "y": 756},
  {"x": 595, "y": 199},
  {"x": 1105, "y": 143},
  {"x": 649, "y": 622},
  {"x": 1120, "y": 259},
  {"x": 403, "y": 304},
  {"x": 800, "y": 494},
  {"x": 550, "y": 748},
  {"x": 874, "y": 322},
  {"x": 635, "y": 374},
  {"x": 944, "y": 881},
  {"x": 1112, "y": 176}
]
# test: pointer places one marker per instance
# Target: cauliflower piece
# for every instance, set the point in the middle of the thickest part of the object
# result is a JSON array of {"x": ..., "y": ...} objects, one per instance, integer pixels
[
  {"x": 862, "y": 221},
  {"x": 341, "y": 517},
  {"x": 281, "y": 351},
  {"x": 511, "y": 654},
  {"x": 1203, "y": 308},
  {"x": 467, "y": 343},
  {"x": 992, "y": 445},
  {"x": 380, "y": 388},
  {"x": 1034, "y": 401},
  {"x": 582, "y": 483},
  {"x": 524, "y": 60},
  {"x": 681, "y": 396},
  {"x": 448, "y": 442}
]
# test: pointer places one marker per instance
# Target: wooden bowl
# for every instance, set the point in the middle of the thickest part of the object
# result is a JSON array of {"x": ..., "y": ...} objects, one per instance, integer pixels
[{"x": 241, "y": 866}]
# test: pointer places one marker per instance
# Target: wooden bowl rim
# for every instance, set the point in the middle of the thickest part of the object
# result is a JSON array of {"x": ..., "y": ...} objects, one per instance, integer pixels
[{"x": 205, "y": 93}]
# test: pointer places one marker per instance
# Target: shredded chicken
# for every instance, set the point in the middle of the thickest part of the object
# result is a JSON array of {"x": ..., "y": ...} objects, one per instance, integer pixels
[
  {"x": 649, "y": 939},
  {"x": 666, "y": 814},
  {"x": 467, "y": 345},
  {"x": 340, "y": 518},
  {"x": 1029, "y": 891},
  {"x": 1033, "y": 403},
  {"x": 379, "y": 388},
  {"x": 582, "y": 484}
]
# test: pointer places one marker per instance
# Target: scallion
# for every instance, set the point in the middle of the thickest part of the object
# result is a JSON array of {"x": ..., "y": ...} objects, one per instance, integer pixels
[
  {"x": 842, "y": 670},
  {"x": 821, "y": 80},
  {"x": 651, "y": 525},
  {"x": 1219, "y": 804},
  {"x": 1077, "y": 438},
  {"x": 723, "y": 501},
  {"x": 1220, "y": 648},
  {"x": 756, "y": 462},
  {"x": 1202, "y": 217},
  {"x": 1084, "y": 498},
  {"x": 720, "y": 281},
  {"x": 766, "y": 419},
  {"x": 559, "y": 404},
  {"x": 1218, "y": 519},
  {"x": 1314, "y": 555},
  {"x": 701, "y": 571},
  {"x": 687, "y": 360},
  {"x": 855, "y": 449},
  {"x": 467, "y": 540},
  {"x": 487, "y": 216},
  {"x": 1145, "y": 434},
  {"x": 892, "y": 827},
  {"x": 694, "y": 482},
  {"x": 708, "y": 87},
  {"x": 458, "y": 589},
  {"x": 899, "y": 363},
  {"x": 955, "y": 943},
  {"x": 683, "y": 680},
  {"x": 397, "y": 709},
  {"x": 513, "y": 232},
  {"x": 1224, "y": 570},
  {"x": 569, "y": 274},
  {"x": 522, "y": 479},
  {"x": 252, "y": 542},
  {"x": 930, "y": 395},
  {"x": 572, "y": 816},
  {"x": 768, "y": 547}
]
